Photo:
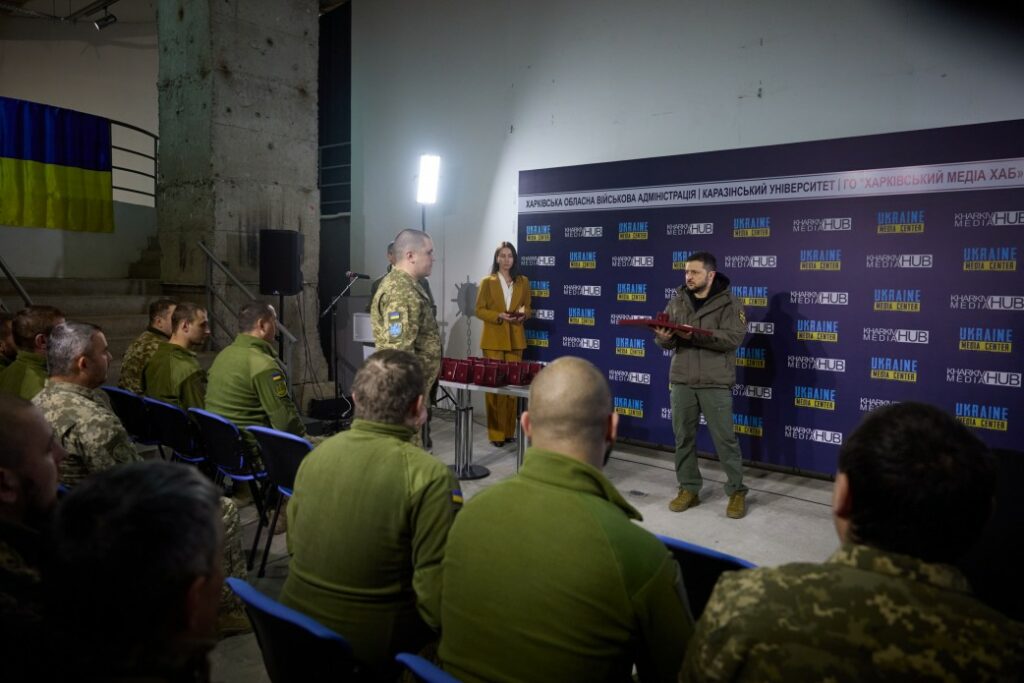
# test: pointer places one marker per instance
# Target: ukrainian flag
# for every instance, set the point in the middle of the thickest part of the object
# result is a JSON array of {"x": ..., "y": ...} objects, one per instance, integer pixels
[{"x": 54, "y": 168}]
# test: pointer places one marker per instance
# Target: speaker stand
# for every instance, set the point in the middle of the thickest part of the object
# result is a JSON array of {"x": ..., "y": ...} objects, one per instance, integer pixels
[{"x": 332, "y": 308}]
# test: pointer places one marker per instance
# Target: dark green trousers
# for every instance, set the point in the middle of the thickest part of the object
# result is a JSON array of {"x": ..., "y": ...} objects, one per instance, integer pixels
[{"x": 716, "y": 404}]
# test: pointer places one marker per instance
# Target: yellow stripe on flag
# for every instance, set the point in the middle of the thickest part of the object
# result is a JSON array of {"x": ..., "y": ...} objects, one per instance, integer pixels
[{"x": 38, "y": 195}]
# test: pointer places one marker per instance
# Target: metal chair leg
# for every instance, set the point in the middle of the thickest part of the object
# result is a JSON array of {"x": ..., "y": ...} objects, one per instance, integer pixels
[
  {"x": 261, "y": 521},
  {"x": 270, "y": 535}
]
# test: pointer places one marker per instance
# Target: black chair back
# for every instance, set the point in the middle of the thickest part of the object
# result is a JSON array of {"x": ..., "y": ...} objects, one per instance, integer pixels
[
  {"x": 171, "y": 427},
  {"x": 701, "y": 568},
  {"x": 295, "y": 647},
  {"x": 220, "y": 440},
  {"x": 282, "y": 453},
  {"x": 130, "y": 409}
]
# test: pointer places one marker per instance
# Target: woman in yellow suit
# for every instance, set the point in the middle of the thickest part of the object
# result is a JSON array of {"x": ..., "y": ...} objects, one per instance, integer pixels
[{"x": 503, "y": 303}]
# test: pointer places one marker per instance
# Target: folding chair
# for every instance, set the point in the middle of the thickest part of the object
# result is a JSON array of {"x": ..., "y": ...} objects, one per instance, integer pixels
[
  {"x": 130, "y": 409},
  {"x": 222, "y": 444},
  {"x": 295, "y": 647},
  {"x": 282, "y": 453},
  {"x": 172, "y": 429},
  {"x": 701, "y": 568}
]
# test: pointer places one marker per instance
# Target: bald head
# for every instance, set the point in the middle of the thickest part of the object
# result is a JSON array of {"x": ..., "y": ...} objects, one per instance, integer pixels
[
  {"x": 414, "y": 253},
  {"x": 571, "y": 410}
]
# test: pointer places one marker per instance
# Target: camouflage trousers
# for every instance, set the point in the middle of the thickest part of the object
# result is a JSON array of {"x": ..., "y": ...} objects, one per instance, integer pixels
[{"x": 231, "y": 608}]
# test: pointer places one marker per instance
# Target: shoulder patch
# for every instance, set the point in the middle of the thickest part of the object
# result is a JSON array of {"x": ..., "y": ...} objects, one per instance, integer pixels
[
  {"x": 280, "y": 386},
  {"x": 395, "y": 330},
  {"x": 394, "y": 316},
  {"x": 457, "y": 496},
  {"x": 743, "y": 317}
]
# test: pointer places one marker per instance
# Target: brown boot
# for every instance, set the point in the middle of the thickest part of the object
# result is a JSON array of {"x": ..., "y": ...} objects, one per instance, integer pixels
[
  {"x": 737, "y": 506},
  {"x": 684, "y": 501}
]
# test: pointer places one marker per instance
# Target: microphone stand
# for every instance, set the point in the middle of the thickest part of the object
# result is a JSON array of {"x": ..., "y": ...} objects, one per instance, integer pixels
[{"x": 332, "y": 308}]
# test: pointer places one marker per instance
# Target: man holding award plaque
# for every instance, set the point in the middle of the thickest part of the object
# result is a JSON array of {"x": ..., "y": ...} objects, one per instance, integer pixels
[{"x": 705, "y": 326}]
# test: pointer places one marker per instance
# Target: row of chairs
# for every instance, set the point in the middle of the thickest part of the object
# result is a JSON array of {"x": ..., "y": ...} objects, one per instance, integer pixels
[
  {"x": 215, "y": 444},
  {"x": 297, "y": 647}
]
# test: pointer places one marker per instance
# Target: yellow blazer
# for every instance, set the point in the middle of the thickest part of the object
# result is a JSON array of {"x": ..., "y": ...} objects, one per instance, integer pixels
[{"x": 500, "y": 335}]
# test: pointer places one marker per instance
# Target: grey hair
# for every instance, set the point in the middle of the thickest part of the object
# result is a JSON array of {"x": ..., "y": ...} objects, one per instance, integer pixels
[{"x": 67, "y": 342}]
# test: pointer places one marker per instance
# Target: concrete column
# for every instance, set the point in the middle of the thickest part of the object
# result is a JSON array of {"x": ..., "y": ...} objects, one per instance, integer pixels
[{"x": 238, "y": 148}]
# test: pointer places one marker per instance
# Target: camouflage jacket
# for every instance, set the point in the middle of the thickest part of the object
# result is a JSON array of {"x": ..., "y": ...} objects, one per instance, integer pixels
[
  {"x": 88, "y": 429},
  {"x": 133, "y": 363},
  {"x": 402, "y": 315},
  {"x": 863, "y": 615}
]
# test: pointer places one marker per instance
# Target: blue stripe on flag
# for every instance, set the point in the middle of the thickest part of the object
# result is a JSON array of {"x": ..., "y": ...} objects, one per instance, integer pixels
[{"x": 52, "y": 135}]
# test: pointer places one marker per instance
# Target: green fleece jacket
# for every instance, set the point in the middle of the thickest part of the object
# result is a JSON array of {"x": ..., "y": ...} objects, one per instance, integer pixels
[{"x": 547, "y": 578}]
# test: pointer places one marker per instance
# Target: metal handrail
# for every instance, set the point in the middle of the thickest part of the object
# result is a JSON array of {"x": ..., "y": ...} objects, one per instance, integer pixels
[
  {"x": 211, "y": 260},
  {"x": 245, "y": 290},
  {"x": 17, "y": 285}
]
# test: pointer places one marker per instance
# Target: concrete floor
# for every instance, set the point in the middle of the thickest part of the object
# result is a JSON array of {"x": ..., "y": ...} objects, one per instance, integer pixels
[{"x": 788, "y": 519}]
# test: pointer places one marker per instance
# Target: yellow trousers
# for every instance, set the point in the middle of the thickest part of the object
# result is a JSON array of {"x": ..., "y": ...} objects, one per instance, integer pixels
[{"x": 501, "y": 410}]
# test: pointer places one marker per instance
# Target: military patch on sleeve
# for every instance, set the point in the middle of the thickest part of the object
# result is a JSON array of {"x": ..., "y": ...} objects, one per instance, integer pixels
[
  {"x": 280, "y": 386},
  {"x": 743, "y": 317},
  {"x": 457, "y": 496},
  {"x": 395, "y": 330},
  {"x": 394, "y": 317}
]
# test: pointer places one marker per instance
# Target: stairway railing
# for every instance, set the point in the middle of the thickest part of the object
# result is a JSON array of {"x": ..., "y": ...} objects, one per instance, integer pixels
[
  {"x": 212, "y": 295},
  {"x": 16, "y": 284}
]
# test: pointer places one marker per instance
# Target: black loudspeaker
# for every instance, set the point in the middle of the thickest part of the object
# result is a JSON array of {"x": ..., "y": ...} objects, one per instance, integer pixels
[{"x": 280, "y": 262}]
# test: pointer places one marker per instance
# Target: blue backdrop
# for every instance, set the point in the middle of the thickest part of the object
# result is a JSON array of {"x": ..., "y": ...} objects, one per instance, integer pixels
[{"x": 872, "y": 270}]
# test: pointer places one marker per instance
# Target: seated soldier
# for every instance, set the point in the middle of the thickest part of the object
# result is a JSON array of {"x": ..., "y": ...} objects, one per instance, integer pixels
[
  {"x": 173, "y": 374},
  {"x": 8, "y": 349},
  {"x": 96, "y": 440},
  {"x": 247, "y": 383},
  {"x": 546, "y": 577},
  {"x": 142, "y": 349},
  {"x": 913, "y": 493},
  {"x": 136, "y": 574},
  {"x": 30, "y": 458},
  {"x": 77, "y": 408},
  {"x": 31, "y": 326},
  {"x": 373, "y": 573}
]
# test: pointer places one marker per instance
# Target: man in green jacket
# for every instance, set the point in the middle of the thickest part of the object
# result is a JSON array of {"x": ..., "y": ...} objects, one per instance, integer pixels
[
  {"x": 546, "y": 576},
  {"x": 369, "y": 519},
  {"x": 912, "y": 496},
  {"x": 701, "y": 376},
  {"x": 173, "y": 374},
  {"x": 248, "y": 385},
  {"x": 31, "y": 327}
]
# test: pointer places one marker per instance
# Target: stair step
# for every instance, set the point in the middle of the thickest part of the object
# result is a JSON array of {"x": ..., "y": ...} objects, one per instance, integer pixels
[
  {"x": 81, "y": 307},
  {"x": 69, "y": 286}
]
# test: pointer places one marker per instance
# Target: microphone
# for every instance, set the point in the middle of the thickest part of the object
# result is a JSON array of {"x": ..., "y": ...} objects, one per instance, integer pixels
[{"x": 352, "y": 275}]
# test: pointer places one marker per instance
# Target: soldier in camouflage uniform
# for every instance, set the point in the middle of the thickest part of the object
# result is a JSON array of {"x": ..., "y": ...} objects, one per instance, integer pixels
[
  {"x": 402, "y": 313},
  {"x": 30, "y": 328},
  {"x": 133, "y": 363},
  {"x": 914, "y": 491},
  {"x": 78, "y": 410},
  {"x": 30, "y": 459}
]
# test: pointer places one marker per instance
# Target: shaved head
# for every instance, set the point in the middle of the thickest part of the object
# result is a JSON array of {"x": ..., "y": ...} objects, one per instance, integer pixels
[
  {"x": 569, "y": 407},
  {"x": 409, "y": 240}
]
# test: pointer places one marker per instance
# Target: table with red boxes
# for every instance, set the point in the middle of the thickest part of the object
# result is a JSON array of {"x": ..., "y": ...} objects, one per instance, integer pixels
[{"x": 466, "y": 375}]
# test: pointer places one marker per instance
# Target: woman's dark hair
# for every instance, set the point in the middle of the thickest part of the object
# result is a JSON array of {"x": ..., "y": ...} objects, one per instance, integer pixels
[{"x": 514, "y": 272}]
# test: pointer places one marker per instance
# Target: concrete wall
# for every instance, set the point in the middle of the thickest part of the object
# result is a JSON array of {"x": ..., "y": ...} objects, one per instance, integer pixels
[
  {"x": 498, "y": 87},
  {"x": 110, "y": 73}
]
